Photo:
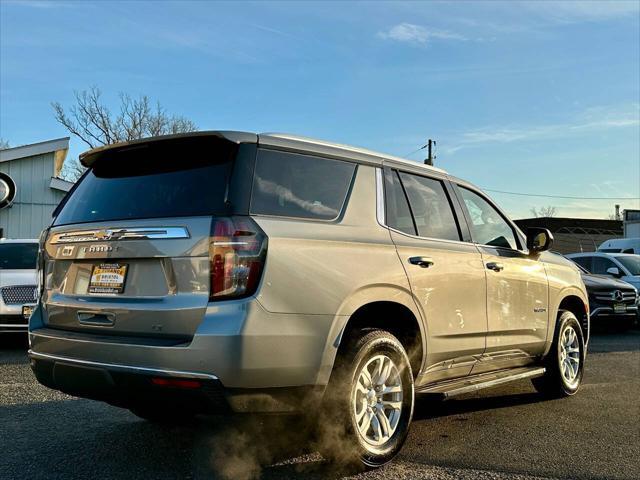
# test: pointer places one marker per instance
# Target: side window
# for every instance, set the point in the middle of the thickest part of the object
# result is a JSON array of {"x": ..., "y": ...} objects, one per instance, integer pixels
[
  {"x": 397, "y": 211},
  {"x": 601, "y": 264},
  {"x": 293, "y": 185},
  {"x": 584, "y": 262},
  {"x": 431, "y": 207},
  {"x": 488, "y": 227}
]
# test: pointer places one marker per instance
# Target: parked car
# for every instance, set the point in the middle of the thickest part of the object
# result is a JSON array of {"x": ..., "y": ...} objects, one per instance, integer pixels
[
  {"x": 623, "y": 266},
  {"x": 17, "y": 283},
  {"x": 621, "y": 245},
  {"x": 221, "y": 271},
  {"x": 613, "y": 303}
]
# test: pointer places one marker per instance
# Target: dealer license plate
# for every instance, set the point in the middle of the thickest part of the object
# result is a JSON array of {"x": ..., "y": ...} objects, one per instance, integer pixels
[
  {"x": 108, "y": 278},
  {"x": 619, "y": 308}
]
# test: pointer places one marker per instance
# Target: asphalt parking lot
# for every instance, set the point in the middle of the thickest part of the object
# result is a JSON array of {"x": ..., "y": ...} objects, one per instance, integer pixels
[{"x": 505, "y": 433}]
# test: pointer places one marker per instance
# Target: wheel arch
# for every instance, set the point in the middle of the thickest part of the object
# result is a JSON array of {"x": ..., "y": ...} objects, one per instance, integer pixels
[
  {"x": 390, "y": 309},
  {"x": 576, "y": 303}
]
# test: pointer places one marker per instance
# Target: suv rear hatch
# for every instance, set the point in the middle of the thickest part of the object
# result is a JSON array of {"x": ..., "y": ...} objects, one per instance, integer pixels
[{"x": 128, "y": 252}]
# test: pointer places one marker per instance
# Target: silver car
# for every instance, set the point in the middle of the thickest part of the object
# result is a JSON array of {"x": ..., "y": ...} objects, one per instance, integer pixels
[{"x": 228, "y": 271}]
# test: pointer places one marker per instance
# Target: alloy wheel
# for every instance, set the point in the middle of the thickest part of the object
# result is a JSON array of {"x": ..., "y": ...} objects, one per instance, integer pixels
[
  {"x": 377, "y": 400},
  {"x": 570, "y": 356}
]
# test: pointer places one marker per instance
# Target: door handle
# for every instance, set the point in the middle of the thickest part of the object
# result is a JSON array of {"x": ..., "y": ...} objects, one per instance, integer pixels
[
  {"x": 424, "y": 262},
  {"x": 495, "y": 266}
]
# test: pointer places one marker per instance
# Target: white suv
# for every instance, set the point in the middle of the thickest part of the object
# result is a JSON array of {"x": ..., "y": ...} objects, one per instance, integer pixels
[{"x": 17, "y": 283}]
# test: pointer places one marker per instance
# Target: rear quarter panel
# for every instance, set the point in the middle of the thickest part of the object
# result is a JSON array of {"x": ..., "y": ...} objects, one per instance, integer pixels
[{"x": 333, "y": 268}]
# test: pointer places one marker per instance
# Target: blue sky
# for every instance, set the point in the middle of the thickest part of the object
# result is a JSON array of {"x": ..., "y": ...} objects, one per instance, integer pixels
[{"x": 539, "y": 97}]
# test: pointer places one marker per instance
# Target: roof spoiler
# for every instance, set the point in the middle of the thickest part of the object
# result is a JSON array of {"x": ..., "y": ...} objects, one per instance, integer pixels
[{"x": 89, "y": 157}]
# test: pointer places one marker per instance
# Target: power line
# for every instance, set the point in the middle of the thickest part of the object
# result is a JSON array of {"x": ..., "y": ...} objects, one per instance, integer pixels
[
  {"x": 415, "y": 151},
  {"x": 560, "y": 196},
  {"x": 569, "y": 197}
]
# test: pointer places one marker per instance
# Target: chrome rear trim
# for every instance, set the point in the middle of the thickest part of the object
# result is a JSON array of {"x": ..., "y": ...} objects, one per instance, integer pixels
[
  {"x": 123, "y": 368},
  {"x": 102, "y": 235},
  {"x": 380, "y": 197}
]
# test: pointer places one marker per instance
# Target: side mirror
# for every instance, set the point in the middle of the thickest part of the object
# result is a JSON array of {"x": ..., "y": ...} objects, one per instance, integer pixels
[
  {"x": 539, "y": 239},
  {"x": 613, "y": 271}
]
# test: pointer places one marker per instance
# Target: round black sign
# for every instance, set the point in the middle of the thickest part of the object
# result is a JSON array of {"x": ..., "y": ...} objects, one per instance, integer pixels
[{"x": 7, "y": 190}]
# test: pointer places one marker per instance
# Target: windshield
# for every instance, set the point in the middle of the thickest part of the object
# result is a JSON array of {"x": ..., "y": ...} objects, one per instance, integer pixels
[
  {"x": 18, "y": 256},
  {"x": 152, "y": 181},
  {"x": 631, "y": 263}
]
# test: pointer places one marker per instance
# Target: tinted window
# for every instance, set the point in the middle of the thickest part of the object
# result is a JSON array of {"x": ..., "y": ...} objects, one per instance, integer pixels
[
  {"x": 601, "y": 264},
  {"x": 631, "y": 263},
  {"x": 292, "y": 185},
  {"x": 156, "y": 181},
  {"x": 430, "y": 207},
  {"x": 397, "y": 211},
  {"x": 488, "y": 227},
  {"x": 19, "y": 256},
  {"x": 584, "y": 262}
]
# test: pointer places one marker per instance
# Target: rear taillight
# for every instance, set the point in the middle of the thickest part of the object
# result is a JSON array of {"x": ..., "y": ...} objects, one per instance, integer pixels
[
  {"x": 237, "y": 251},
  {"x": 40, "y": 264}
]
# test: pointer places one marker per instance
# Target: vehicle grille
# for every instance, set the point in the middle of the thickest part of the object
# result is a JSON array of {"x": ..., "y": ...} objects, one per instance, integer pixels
[
  {"x": 622, "y": 296},
  {"x": 19, "y": 294}
]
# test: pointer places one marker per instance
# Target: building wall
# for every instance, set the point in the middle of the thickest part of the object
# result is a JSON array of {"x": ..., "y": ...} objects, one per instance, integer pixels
[
  {"x": 632, "y": 223},
  {"x": 35, "y": 199}
]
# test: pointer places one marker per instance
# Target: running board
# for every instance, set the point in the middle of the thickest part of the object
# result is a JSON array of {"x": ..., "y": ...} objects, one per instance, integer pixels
[{"x": 459, "y": 386}]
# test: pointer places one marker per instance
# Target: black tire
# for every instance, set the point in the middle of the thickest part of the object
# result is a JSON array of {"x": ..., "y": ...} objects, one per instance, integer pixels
[
  {"x": 554, "y": 383},
  {"x": 162, "y": 414},
  {"x": 339, "y": 439}
]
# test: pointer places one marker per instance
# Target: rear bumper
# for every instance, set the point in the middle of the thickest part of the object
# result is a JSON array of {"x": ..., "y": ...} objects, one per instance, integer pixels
[
  {"x": 128, "y": 386},
  {"x": 260, "y": 360}
]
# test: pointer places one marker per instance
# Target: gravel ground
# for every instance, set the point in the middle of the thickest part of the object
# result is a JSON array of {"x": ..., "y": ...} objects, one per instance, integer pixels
[{"x": 504, "y": 433}]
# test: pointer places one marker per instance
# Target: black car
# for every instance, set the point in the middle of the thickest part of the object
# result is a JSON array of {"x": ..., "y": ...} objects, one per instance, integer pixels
[{"x": 612, "y": 302}]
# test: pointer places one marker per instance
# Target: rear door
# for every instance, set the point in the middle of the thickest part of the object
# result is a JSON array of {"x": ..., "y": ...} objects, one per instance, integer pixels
[
  {"x": 445, "y": 271},
  {"x": 128, "y": 251}
]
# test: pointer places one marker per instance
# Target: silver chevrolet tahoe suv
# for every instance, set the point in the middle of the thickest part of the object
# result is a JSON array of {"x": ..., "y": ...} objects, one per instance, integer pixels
[{"x": 228, "y": 271}]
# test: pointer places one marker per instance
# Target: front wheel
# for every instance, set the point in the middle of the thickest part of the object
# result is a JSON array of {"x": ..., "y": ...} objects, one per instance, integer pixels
[
  {"x": 370, "y": 397},
  {"x": 565, "y": 361}
]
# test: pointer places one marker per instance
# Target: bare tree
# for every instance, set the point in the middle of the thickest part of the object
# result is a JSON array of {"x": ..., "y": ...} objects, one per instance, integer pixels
[
  {"x": 93, "y": 122},
  {"x": 4, "y": 144},
  {"x": 544, "y": 212}
]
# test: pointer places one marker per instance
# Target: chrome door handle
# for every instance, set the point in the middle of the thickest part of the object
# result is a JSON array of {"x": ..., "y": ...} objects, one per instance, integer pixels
[
  {"x": 495, "y": 266},
  {"x": 424, "y": 262}
]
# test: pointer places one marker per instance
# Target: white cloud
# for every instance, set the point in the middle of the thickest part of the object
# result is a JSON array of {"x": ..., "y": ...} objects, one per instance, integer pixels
[
  {"x": 575, "y": 11},
  {"x": 592, "y": 120},
  {"x": 417, "y": 34}
]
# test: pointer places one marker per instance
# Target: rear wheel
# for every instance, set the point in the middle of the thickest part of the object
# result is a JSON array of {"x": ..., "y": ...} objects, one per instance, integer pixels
[
  {"x": 565, "y": 361},
  {"x": 369, "y": 401}
]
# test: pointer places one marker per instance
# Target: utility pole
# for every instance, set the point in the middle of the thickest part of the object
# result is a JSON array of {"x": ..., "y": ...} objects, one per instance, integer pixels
[
  {"x": 618, "y": 212},
  {"x": 430, "y": 158}
]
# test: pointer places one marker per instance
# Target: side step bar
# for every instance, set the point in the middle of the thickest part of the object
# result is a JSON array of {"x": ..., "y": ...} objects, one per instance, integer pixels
[{"x": 452, "y": 388}]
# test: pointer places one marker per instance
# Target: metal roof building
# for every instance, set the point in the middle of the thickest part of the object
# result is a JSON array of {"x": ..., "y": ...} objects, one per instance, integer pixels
[{"x": 34, "y": 170}]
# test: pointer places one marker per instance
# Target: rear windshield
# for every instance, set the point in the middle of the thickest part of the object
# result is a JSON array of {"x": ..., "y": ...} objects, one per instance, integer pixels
[
  {"x": 18, "y": 256},
  {"x": 174, "y": 180},
  {"x": 631, "y": 263}
]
